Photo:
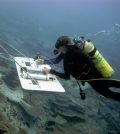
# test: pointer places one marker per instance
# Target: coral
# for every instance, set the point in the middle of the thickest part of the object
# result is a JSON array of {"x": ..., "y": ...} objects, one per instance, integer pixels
[{"x": 5, "y": 126}]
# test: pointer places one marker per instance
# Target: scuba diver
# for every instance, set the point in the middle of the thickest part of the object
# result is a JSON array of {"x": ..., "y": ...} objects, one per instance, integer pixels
[{"x": 82, "y": 60}]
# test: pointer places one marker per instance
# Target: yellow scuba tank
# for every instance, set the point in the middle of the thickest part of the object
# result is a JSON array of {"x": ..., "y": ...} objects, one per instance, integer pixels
[{"x": 97, "y": 60}]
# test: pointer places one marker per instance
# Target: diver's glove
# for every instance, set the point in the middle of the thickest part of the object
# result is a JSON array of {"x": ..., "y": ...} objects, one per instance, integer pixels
[
  {"x": 38, "y": 56},
  {"x": 38, "y": 59},
  {"x": 52, "y": 71}
]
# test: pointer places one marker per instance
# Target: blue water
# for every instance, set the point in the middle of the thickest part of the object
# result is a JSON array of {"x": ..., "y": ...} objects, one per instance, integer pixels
[
  {"x": 39, "y": 23},
  {"x": 33, "y": 26},
  {"x": 45, "y": 21}
]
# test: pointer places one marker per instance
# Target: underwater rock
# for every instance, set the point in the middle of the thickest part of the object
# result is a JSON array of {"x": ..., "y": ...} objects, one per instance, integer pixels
[
  {"x": 11, "y": 79},
  {"x": 3, "y": 63},
  {"x": 60, "y": 103},
  {"x": 31, "y": 110},
  {"x": 3, "y": 130},
  {"x": 22, "y": 131},
  {"x": 60, "y": 120},
  {"x": 68, "y": 116},
  {"x": 72, "y": 118},
  {"x": 50, "y": 123},
  {"x": 68, "y": 113},
  {"x": 5, "y": 126},
  {"x": 49, "y": 129},
  {"x": 1, "y": 82},
  {"x": 15, "y": 96},
  {"x": 2, "y": 98}
]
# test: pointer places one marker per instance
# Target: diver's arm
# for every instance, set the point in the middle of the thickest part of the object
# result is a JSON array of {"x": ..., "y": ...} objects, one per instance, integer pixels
[
  {"x": 65, "y": 76},
  {"x": 54, "y": 60}
]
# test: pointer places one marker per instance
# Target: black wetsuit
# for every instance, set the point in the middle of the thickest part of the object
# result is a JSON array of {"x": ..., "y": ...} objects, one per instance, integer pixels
[{"x": 76, "y": 64}]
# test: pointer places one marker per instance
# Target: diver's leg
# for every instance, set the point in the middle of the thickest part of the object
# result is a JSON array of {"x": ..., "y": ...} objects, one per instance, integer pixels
[
  {"x": 105, "y": 91},
  {"x": 111, "y": 83},
  {"x": 114, "y": 95}
]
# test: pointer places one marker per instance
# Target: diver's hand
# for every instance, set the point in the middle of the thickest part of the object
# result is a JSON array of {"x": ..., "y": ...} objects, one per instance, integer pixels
[
  {"x": 60, "y": 75},
  {"x": 52, "y": 71},
  {"x": 39, "y": 61},
  {"x": 38, "y": 56}
]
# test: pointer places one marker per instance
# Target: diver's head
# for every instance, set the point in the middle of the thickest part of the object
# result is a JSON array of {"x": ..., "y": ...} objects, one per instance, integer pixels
[
  {"x": 62, "y": 43},
  {"x": 79, "y": 41}
]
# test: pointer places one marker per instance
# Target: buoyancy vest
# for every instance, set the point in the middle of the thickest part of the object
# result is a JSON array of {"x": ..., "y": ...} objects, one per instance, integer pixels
[{"x": 75, "y": 62}]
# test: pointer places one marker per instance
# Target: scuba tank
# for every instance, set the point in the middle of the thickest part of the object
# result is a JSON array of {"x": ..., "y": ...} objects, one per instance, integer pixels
[{"x": 97, "y": 60}]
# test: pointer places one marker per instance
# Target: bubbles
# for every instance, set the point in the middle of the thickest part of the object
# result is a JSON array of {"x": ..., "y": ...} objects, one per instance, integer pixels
[
  {"x": 117, "y": 28},
  {"x": 100, "y": 32},
  {"x": 113, "y": 30}
]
